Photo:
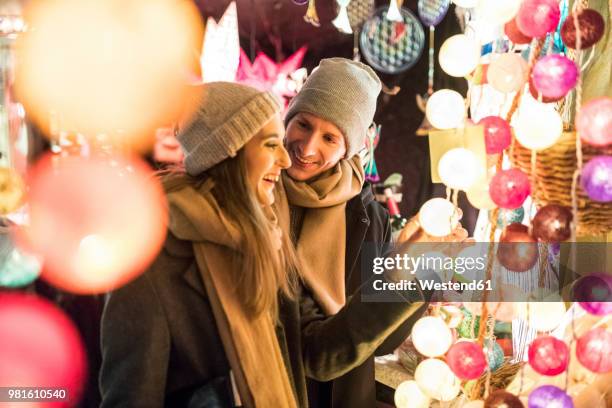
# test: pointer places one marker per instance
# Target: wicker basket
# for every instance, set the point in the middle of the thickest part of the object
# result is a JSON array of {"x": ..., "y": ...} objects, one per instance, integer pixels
[{"x": 555, "y": 167}]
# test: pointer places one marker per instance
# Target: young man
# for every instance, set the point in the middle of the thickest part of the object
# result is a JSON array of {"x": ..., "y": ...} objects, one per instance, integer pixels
[{"x": 333, "y": 213}]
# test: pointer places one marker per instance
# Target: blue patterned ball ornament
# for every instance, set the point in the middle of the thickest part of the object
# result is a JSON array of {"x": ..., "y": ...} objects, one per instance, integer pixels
[
  {"x": 495, "y": 355},
  {"x": 506, "y": 217},
  {"x": 432, "y": 12}
]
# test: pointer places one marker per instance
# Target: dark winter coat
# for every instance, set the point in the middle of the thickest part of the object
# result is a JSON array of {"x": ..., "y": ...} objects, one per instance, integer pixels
[
  {"x": 161, "y": 345},
  {"x": 367, "y": 223}
]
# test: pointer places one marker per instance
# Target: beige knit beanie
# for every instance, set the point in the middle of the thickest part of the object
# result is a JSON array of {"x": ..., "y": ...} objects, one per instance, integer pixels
[
  {"x": 227, "y": 117},
  {"x": 343, "y": 92}
]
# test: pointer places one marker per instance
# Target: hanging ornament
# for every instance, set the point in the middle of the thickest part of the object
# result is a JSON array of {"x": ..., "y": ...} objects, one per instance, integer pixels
[
  {"x": 409, "y": 395},
  {"x": 548, "y": 355},
  {"x": 594, "y": 293},
  {"x": 393, "y": 13},
  {"x": 436, "y": 380},
  {"x": 547, "y": 396},
  {"x": 17, "y": 268},
  {"x": 514, "y": 34},
  {"x": 431, "y": 336},
  {"x": 459, "y": 55},
  {"x": 497, "y": 132},
  {"x": 311, "y": 16},
  {"x": 431, "y": 12},
  {"x": 478, "y": 195},
  {"x": 12, "y": 190},
  {"x": 97, "y": 223},
  {"x": 438, "y": 217},
  {"x": 284, "y": 79},
  {"x": 517, "y": 251},
  {"x": 592, "y": 28},
  {"x": 458, "y": 168},
  {"x": 509, "y": 188},
  {"x": 358, "y": 12},
  {"x": 552, "y": 223},
  {"x": 538, "y": 126},
  {"x": 446, "y": 109},
  {"x": 389, "y": 46},
  {"x": 40, "y": 345},
  {"x": 536, "y": 18},
  {"x": 221, "y": 47},
  {"x": 341, "y": 22},
  {"x": 507, "y": 72},
  {"x": 506, "y": 217},
  {"x": 466, "y": 359},
  {"x": 502, "y": 399},
  {"x": 594, "y": 350},
  {"x": 555, "y": 75},
  {"x": 594, "y": 121},
  {"x": 371, "y": 170},
  {"x": 596, "y": 179},
  {"x": 497, "y": 12}
]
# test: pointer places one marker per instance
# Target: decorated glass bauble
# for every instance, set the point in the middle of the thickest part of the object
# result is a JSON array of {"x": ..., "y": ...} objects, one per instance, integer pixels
[
  {"x": 514, "y": 34},
  {"x": 17, "y": 268},
  {"x": 517, "y": 250},
  {"x": 509, "y": 188},
  {"x": 478, "y": 195},
  {"x": 547, "y": 396},
  {"x": 459, "y": 55},
  {"x": 596, "y": 179},
  {"x": 552, "y": 223},
  {"x": 445, "y": 109},
  {"x": 458, "y": 168},
  {"x": 594, "y": 294},
  {"x": 594, "y": 121},
  {"x": 39, "y": 345},
  {"x": 507, "y": 217},
  {"x": 438, "y": 217},
  {"x": 548, "y": 355},
  {"x": 96, "y": 222},
  {"x": 409, "y": 395},
  {"x": 431, "y": 336},
  {"x": 466, "y": 359},
  {"x": 495, "y": 355},
  {"x": 497, "y": 132},
  {"x": 555, "y": 75},
  {"x": 497, "y": 12},
  {"x": 507, "y": 72},
  {"x": 436, "y": 380},
  {"x": 538, "y": 126},
  {"x": 594, "y": 350},
  {"x": 592, "y": 27},
  {"x": 536, "y": 18},
  {"x": 431, "y": 12},
  {"x": 502, "y": 399}
]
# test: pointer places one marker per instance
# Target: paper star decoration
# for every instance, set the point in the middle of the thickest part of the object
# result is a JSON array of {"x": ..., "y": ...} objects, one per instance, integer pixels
[{"x": 221, "y": 49}]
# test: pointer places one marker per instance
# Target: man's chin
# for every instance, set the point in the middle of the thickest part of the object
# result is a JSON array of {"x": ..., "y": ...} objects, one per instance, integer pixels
[{"x": 299, "y": 174}]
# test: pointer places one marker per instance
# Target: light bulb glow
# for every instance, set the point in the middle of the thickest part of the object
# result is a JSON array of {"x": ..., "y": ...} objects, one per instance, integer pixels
[
  {"x": 459, "y": 55},
  {"x": 445, "y": 109},
  {"x": 431, "y": 336},
  {"x": 438, "y": 217}
]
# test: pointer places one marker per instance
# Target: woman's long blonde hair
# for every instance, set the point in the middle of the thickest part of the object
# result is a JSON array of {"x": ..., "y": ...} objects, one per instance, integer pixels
[{"x": 262, "y": 271}]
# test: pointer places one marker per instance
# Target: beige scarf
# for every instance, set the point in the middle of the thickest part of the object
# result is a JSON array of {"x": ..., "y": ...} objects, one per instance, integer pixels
[
  {"x": 250, "y": 344},
  {"x": 321, "y": 244}
]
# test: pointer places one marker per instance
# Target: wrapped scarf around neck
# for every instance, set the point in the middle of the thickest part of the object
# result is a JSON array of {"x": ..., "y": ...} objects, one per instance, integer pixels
[
  {"x": 250, "y": 343},
  {"x": 321, "y": 244}
]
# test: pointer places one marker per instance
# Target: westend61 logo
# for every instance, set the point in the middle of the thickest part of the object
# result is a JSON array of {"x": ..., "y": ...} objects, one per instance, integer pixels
[{"x": 432, "y": 262}]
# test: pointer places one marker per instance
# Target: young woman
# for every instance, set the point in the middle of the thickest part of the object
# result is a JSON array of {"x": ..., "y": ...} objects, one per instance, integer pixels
[
  {"x": 219, "y": 319},
  {"x": 336, "y": 224}
]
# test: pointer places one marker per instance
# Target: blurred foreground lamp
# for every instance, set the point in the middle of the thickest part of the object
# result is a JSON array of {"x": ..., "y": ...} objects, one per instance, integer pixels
[
  {"x": 102, "y": 65},
  {"x": 97, "y": 224}
]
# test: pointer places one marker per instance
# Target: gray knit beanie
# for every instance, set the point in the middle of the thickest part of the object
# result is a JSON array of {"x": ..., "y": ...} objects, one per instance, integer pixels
[
  {"x": 343, "y": 92},
  {"x": 227, "y": 117}
]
